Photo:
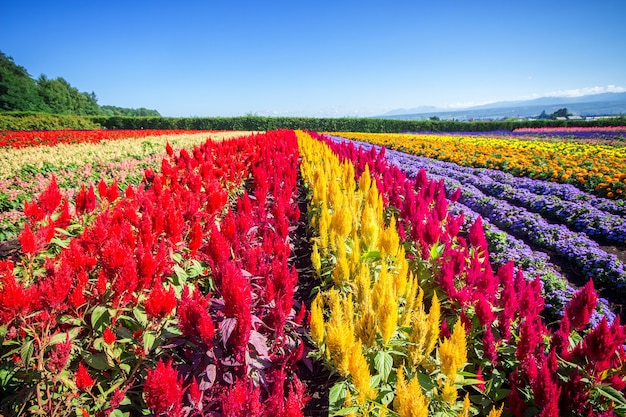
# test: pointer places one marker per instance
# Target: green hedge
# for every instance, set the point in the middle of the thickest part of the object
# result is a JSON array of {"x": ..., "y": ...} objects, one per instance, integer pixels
[
  {"x": 43, "y": 121},
  {"x": 34, "y": 121}
]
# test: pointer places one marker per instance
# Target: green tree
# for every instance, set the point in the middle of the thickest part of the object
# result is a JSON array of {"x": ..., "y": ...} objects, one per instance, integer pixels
[{"x": 18, "y": 91}]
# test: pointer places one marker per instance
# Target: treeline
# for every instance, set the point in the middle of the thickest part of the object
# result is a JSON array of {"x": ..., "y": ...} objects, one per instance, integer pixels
[
  {"x": 30, "y": 121},
  {"x": 22, "y": 93}
]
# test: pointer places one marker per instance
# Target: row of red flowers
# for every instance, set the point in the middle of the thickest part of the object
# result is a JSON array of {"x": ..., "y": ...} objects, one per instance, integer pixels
[
  {"x": 24, "y": 139},
  {"x": 176, "y": 296}
]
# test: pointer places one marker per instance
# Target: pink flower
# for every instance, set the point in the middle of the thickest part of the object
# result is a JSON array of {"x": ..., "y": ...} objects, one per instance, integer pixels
[
  {"x": 581, "y": 306},
  {"x": 163, "y": 391}
]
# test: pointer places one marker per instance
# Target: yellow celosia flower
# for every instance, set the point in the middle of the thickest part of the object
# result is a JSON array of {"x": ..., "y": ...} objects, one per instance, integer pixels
[
  {"x": 316, "y": 259},
  {"x": 341, "y": 273},
  {"x": 465, "y": 411},
  {"x": 409, "y": 401},
  {"x": 370, "y": 227},
  {"x": 419, "y": 332},
  {"x": 496, "y": 412},
  {"x": 453, "y": 352},
  {"x": 365, "y": 328},
  {"x": 433, "y": 325},
  {"x": 448, "y": 393},
  {"x": 387, "y": 307},
  {"x": 365, "y": 181},
  {"x": 361, "y": 376},
  {"x": 324, "y": 228},
  {"x": 340, "y": 330},
  {"x": 401, "y": 279},
  {"x": 317, "y": 319},
  {"x": 363, "y": 284},
  {"x": 389, "y": 239}
]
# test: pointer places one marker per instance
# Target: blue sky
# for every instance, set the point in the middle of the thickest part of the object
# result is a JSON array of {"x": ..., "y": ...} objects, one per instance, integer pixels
[{"x": 318, "y": 58}]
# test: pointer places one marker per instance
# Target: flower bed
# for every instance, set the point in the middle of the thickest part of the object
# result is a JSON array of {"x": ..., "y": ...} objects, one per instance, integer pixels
[
  {"x": 176, "y": 297},
  {"x": 598, "y": 169}
]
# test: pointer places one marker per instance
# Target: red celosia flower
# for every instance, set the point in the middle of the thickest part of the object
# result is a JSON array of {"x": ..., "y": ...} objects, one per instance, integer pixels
[
  {"x": 477, "y": 236},
  {"x": 574, "y": 396},
  {"x": 581, "y": 306},
  {"x": 50, "y": 199},
  {"x": 90, "y": 200},
  {"x": 118, "y": 396},
  {"x": 163, "y": 391},
  {"x": 560, "y": 339},
  {"x": 194, "y": 319},
  {"x": 60, "y": 354},
  {"x": 237, "y": 295},
  {"x": 455, "y": 195},
  {"x": 489, "y": 346},
  {"x": 530, "y": 339},
  {"x": 601, "y": 343},
  {"x": 195, "y": 395},
  {"x": 109, "y": 336},
  {"x": 481, "y": 378},
  {"x": 83, "y": 379},
  {"x": 195, "y": 237},
  {"x": 27, "y": 240},
  {"x": 242, "y": 400},
  {"x": 515, "y": 404},
  {"x": 160, "y": 302},
  {"x": 546, "y": 391},
  {"x": 14, "y": 299},
  {"x": 483, "y": 310}
]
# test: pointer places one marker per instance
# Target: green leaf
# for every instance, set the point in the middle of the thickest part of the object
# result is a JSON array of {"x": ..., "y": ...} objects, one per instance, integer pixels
[
  {"x": 97, "y": 361},
  {"x": 181, "y": 274},
  {"x": 149, "y": 339},
  {"x": 99, "y": 318},
  {"x": 337, "y": 394},
  {"x": 383, "y": 363},
  {"x": 373, "y": 254},
  {"x": 611, "y": 393},
  {"x": 61, "y": 337},
  {"x": 196, "y": 269},
  {"x": 346, "y": 411},
  {"x": 141, "y": 316},
  {"x": 27, "y": 352},
  {"x": 425, "y": 381},
  {"x": 386, "y": 394},
  {"x": 118, "y": 413}
]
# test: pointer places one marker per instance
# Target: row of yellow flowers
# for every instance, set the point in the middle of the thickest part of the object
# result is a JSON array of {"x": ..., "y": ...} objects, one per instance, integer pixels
[
  {"x": 594, "y": 167},
  {"x": 370, "y": 319}
]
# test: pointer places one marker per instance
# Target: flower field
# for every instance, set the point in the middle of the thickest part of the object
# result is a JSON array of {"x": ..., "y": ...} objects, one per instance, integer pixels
[
  {"x": 208, "y": 276},
  {"x": 593, "y": 167}
]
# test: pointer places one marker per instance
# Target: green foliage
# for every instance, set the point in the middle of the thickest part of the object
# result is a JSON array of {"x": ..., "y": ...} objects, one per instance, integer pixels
[
  {"x": 20, "y": 92},
  {"x": 41, "y": 121},
  {"x": 260, "y": 123}
]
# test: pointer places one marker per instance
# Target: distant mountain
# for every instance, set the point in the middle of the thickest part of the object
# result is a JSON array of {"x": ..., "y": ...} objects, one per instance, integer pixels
[
  {"x": 414, "y": 110},
  {"x": 603, "y": 104}
]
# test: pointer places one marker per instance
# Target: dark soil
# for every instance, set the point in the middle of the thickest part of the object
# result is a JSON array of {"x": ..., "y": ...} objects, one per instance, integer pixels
[
  {"x": 10, "y": 250},
  {"x": 313, "y": 374}
]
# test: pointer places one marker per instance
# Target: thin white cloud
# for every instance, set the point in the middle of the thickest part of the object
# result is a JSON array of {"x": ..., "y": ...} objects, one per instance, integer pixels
[{"x": 578, "y": 92}]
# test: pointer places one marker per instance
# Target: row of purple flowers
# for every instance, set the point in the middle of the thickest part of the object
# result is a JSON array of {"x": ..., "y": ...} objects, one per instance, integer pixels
[
  {"x": 575, "y": 247},
  {"x": 577, "y": 214}
]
